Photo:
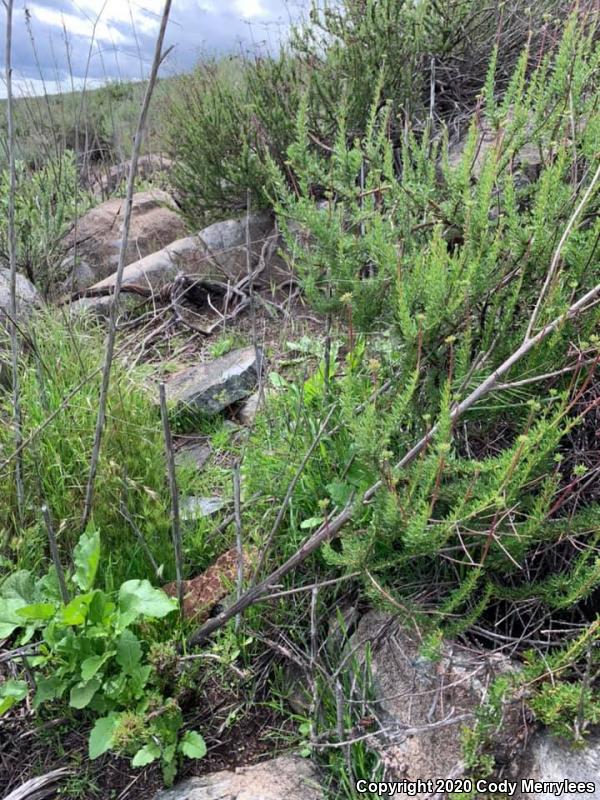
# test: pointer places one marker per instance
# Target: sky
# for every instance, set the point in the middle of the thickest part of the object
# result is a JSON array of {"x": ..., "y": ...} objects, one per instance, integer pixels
[{"x": 100, "y": 40}]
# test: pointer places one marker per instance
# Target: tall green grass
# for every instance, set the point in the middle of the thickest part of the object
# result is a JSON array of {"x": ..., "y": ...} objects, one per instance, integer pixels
[{"x": 131, "y": 479}]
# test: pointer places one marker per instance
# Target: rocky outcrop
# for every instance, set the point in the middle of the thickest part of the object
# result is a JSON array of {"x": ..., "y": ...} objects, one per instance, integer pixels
[
  {"x": 217, "y": 252},
  {"x": 92, "y": 246},
  {"x": 211, "y": 387},
  {"x": 423, "y": 705},
  {"x": 284, "y": 778},
  {"x": 548, "y": 759}
]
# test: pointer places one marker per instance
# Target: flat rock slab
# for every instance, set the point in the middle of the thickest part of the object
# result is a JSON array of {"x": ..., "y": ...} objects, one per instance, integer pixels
[
  {"x": 284, "y": 778},
  {"x": 193, "y": 455},
  {"x": 436, "y": 698},
  {"x": 193, "y": 507},
  {"x": 211, "y": 387},
  {"x": 550, "y": 759}
]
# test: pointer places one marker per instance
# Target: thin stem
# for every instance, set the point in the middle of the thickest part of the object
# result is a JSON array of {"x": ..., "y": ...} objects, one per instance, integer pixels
[
  {"x": 60, "y": 575},
  {"x": 114, "y": 308},
  {"x": 175, "y": 521},
  {"x": 12, "y": 257}
]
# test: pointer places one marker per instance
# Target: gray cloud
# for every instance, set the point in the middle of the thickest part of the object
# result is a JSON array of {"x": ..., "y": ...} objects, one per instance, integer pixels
[{"x": 123, "y": 50}]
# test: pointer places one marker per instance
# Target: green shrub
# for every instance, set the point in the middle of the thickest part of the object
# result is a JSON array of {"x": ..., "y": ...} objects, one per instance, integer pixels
[
  {"x": 226, "y": 118},
  {"x": 452, "y": 264},
  {"x": 46, "y": 204}
]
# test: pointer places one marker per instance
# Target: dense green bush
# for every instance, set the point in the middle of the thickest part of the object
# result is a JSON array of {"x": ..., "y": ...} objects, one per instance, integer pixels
[
  {"x": 429, "y": 58},
  {"x": 437, "y": 276}
]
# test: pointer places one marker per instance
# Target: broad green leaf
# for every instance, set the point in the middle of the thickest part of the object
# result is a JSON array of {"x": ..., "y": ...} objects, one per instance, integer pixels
[
  {"x": 100, "y": 740},
  {"x": 82, "y": 693},
  {"x": 11, "y": 693},
  {"x": 149, "y": 753},
  {"x": 20, "y": 585},
  {"x": 75, "y": 612},
  {"x": 39, "y": 611},
  {"x": 48, "y": 689},
  {"x": 100, "y": 608},
  {"x": 139, "y": 598},
  {"x": 9, "y": 619},
  {"x": 311, "y": 522},
  {"x": 192, "y": 745},
  {"x": 91, "y": 665},
  {"x": 129, "y": 651},
  {"x": 86, "y": 558}
]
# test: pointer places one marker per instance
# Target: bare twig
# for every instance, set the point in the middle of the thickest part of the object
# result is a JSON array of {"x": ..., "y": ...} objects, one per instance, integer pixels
[
  {"x": 114, "y": 308},
  {"x": 557, "y": 253},
  {"x": 238, "y": 536},
  {"x": 12, "y": 256},
  {"x": 60, "y": 575},
  {"x": 175, "y": 522}
]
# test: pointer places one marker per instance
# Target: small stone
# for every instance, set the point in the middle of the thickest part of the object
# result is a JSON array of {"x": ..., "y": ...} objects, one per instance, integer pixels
[
  {"x": 191, "y": 508},
  {"x": 193, "y": 455},
  {"x": 202, "y": 593},
  {"x": 283, "y": 778},
  {"x": 211, "y": 387}
]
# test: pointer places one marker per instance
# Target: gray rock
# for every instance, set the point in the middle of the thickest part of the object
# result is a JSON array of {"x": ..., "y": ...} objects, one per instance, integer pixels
[
  {"x": 192, "y": 507},
  {"x": 99, "y": 307},
  {"x": 28, "y": 299},
  {"x": 548, "y": 759},
  {"x": 211, "y": 387},
  {"x": 193, "y": 455},
  {"x": 92, "y": 246},
  {"x": 112, "y": 178},
  {"x": 284, "y": 778},
  {"x": 426, "y": 696},
  {"x": 247, "y": 411},
  {"x": 217, "y": 252}
]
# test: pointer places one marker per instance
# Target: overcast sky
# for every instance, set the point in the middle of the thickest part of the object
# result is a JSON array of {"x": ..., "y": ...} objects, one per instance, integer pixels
[{"x": 121, "y": 35}]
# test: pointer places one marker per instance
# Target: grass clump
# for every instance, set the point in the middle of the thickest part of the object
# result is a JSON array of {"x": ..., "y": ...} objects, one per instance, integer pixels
[{"x": 59, "y": 389}]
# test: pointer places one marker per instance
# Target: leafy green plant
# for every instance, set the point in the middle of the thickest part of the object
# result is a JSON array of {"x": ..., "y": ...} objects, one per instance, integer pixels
[{"x": 90, "y": 653}]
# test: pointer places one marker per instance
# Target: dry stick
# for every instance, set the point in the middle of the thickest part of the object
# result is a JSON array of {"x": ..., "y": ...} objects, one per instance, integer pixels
[
  {"x": 331, "y": 527},
  {"x": 60, "y": 575},
  {"x": 175, "y": 522},
  {"x": 238, "y": 536},
  {"x": 12, "y": 256},
  {"x": 114, "y": 308}
]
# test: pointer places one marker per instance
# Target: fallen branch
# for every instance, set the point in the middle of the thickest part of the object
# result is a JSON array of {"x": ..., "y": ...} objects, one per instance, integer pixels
[{"x": 331, "y": 527}]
